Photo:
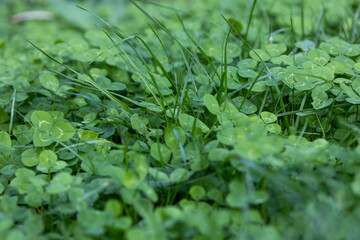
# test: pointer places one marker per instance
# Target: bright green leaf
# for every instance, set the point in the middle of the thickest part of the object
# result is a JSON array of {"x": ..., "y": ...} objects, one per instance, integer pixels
[
  {"x": 62, "y": 131},
  {"x": 187, "y": 122},
  {"x": 318, "y": 56},
  {"x": 49, "y": 82},
  {"x": 42, "y": 121},
  {"x": 197, "y": 192},
  {"x": 268, "y": 117},
  {"x": 211, "y": 103},
  {"x": 30, "y": 157},
  {"x": 5, "y": 139}
]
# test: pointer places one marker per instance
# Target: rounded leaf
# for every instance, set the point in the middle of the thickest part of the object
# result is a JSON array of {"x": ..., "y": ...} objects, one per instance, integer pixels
[
  {"x": 197, "y": 192},
  {"x": 236, "y": 25},
  {"x": 47, "y": 159},
  {"x": 173, "y": 141},
  {"x": 275, "y": 49},
  {"x": 49, "y": 82},
  {"x": 114, "y": 207},
  {"x": 5, "y": 139},
  {"x": 187, "y": 122},
  {"x": 318, "y": 56},
  {"x": 30, "y": 158},
  {"x": 268, "y": 117},
  {"x": 179, "y": 175},
  {"x": 42, "y": 120},
  {"x": 259, "y": 55},
  {"x": 160, "y": 152},
  {"x": 62, "y": 131},
  {"x": 60, "y": 183},
  {"x": 41, "y": 139},
  {"x": 211, "y": 103},
  {"x": 273, "y": 128}
]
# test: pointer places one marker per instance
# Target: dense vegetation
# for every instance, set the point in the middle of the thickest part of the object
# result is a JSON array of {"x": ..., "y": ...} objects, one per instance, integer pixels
[{"x": 180, "y": 120}]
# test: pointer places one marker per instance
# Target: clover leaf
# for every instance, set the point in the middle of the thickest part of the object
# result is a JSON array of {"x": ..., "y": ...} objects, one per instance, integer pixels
[
  {"x": 268, "y": 117},
  {"x": 160, "y": 152},
  {"x": 173, "y": 141},
  {"x": 318, "y": 56},
  {"x": 48, "y": 162},
  {"x": 5, "y": 139},
  {"x": 259, "y": 55},
  {"x": 197, "y": 192},
  {"x": 49, "y": 82},
  {"x": 62, "y": 131},
  {"x": 187, "y": 122},
  {"x": 42, "y": 120},
  {"x": 60, "y": 183},
  {"x": 42, "y": 139},
  {"x": 275, "y": 49},
  {"x": 211, "y": 103},
  {"x": 30, "y": 157}
]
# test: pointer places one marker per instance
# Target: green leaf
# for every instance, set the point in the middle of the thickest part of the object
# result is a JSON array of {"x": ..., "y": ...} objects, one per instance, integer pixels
[
  {"x": 320, "y": 98},
  {"x": 187, "y": 122},
  {"x": 114, "y": 207},
  {"x": 247, "y": 63},
  {"x": 258, "y": 197},
  {"x": 237, "y": 197},
  {"x": 42, "y": 121},
  {"x": 5, "y": 139},
  {"x": 273, "y": 128},
  {"x": 21, "y": 182},
  {"x": 268, "y": 117},
  {"x": 160, "y": 152},
  {"x": 356, "y": 85},
  {"x": 230, "y": 136},
  {"x": 247, "y": 106},
  {"x": 259, "y": 55},
  {"x": 218, "y": 154},
  {"x": 23, "y": 134},
  {"x": 141, "y": 166},
  {"x": 318, "y": 56},
  {"x": 139, "y": 124},
  {"x": 60, "y": 183},
  {"x": 93, "y": 221},
  {"x": 170, "y": 138},
  {"x": 216, "y": 195},
  {"x": 159, "y": 175},
  {"x": 247, "y": 73},
  {"x": 348, "y": 91},
  {"x": 197, "y": 192},
  {"x": 275, "y": 49},
  {"x": 62, "y": 131},
  {"x": 49, "y": 82},
  {"x": 357, "y": 66},
  {"x": 305, "y": 45},
  {"x": 325, "y": 73},
  {"x": 355, "y": 185},
  {"x": 87, "y": 134},
  {"x": 130, "y": 179},
  {"x": 236, "y": 25},
  {"x": 30, "y": 157},
  {"x": 211, "y": 103},
  {"x": 4, "y": 116},
  {"x": 47, "y": 159},
  {"x": 42, "y": 139},
  {"x": 179, "y": 175}
]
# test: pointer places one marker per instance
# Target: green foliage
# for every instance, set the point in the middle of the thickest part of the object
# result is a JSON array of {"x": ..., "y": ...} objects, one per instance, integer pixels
[{"x": 179, "y": 128}]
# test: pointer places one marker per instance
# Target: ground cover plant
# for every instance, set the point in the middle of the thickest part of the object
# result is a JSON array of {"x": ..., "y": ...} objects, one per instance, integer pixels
[{"x": 180, "y": 120}]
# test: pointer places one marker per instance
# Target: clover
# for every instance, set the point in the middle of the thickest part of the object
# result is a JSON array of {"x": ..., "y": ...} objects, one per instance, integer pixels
[{"x": 49, "y": 129}]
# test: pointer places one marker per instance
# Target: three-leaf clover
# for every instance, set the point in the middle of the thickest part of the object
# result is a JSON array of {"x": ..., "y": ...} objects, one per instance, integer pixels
[{"x": 49, "y": 128}]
